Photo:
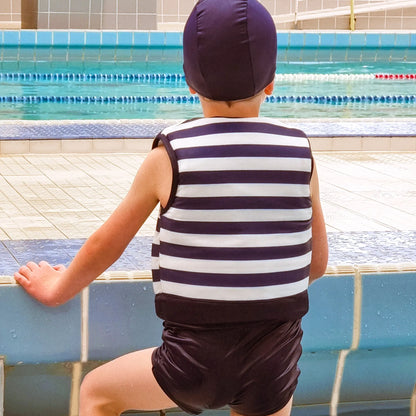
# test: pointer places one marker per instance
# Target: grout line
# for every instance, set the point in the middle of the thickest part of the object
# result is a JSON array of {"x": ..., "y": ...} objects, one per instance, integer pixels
[
  {"x": 413, "y": 403},
  {"x": 358, "y": 298},
  {"x": 2, "y": 382},
  {"x": 85, "y": 296},
  {"x": 336, "y": 390},
  {"x": 75, "y": 385}
]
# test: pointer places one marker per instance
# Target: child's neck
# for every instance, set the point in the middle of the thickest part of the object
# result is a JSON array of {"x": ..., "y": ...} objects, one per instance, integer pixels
[{"x": 234, "y": 109}]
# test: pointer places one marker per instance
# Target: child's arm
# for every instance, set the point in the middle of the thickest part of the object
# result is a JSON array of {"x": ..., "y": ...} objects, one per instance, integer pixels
[
  {"x": 319, "y": 237},
  {"x": 55, "y": 285}
]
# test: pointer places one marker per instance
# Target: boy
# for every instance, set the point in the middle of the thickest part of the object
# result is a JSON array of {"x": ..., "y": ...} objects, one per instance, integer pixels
[{"x": 239, "y": 238}]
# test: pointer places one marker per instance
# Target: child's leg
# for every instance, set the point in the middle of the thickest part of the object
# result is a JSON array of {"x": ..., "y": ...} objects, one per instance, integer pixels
[
  {"x": 126, "y": 383},
  {"x": 283, "y": 412}
]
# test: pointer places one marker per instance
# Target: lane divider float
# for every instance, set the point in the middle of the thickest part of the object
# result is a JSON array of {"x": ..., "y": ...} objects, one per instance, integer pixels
[
  {"x": 169, "y": 77},
  {"x": 311, "y": 99}
]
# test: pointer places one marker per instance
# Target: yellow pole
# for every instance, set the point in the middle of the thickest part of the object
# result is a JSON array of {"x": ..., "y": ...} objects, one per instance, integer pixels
[{"x": 352, "y": 16}]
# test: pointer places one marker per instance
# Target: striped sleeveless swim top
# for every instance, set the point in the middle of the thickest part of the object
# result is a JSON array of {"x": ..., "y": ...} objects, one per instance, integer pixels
[{"x": 233, "y": 243}]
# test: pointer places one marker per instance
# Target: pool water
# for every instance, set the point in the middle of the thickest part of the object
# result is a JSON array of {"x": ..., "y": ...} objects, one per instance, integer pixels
[{"x": 91, "y": 61}]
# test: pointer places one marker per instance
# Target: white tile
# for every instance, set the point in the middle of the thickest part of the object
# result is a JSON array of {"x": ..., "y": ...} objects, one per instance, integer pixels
[
  {"x": 77, "y": 146},
  {"x": 45, "y": 146},
  {"x": 14, "y": 147}
]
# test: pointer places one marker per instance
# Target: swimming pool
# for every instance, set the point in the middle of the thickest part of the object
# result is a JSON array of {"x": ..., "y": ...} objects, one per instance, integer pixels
[{"x": 337, "y": 76}]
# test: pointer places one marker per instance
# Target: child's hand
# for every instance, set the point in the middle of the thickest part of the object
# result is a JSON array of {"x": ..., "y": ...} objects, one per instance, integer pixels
[{"x": 40, "y": 281}]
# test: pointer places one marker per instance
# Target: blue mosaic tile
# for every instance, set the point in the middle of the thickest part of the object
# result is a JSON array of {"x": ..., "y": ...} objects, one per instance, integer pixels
[
  {"x": 312, "y": 40},
  {"x": 372, "y": 40},
  {"x": 137, "y": 326},
  {"x": 388, "y": 310},
  {"x": 282, "y": 40},
  {"x": 174, "y": 39},
  {"x": 8, "y": 264},
  {"x": 27, "y": 38},
  {"x": 141, "y": 39},
  {"x": 372, "y": 247},
  {"x": 327, "y": 40},
  {"x": 93, "y": 38},
  {"x": 329, "y": 322},
  {"x": 402, "y": 40},
  {"x": 347, "y": 248},
  {"x": 316, "y": 377},
  {"x": 44, "y": 38},
  {"x": 157, "y": 39},
  {"x": 11, "y": 37},
  {"x": 77, "y": 38},
  {"x": 29, "y": 388},
  {"x": 149, "y": 129},
  {"x": 32, "y": 333},
  {"x": 379, "y": 374},
  {"x": 60, "y": 38},
  {"x": 109, "y": 38},
  {"x": 125, "y": 39},
  {"x": 387, "y": 40},
  {"x": 296, "y": 40},
  {"x": 342, "y": 40},
  {"x": 357, "y": 40}
]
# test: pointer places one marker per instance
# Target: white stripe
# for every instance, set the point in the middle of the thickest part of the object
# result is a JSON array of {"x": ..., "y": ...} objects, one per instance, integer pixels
[
  {"x": 154, "y": 263},
  {"x": 204, "y": 121},
  {"x": 238, "y": 240},
  {"x": 245, "y": 163},
  {"x": 237, "y": 215},
  {"x": 232, "y": 293},
  {"x": 243, "y": 189},
  {"x": 239, "y": 138},
  {"x": 234, "y": 267}
]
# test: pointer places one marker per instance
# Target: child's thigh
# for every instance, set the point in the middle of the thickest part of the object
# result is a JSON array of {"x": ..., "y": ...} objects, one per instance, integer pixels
[{"x": 126, "y": 383}]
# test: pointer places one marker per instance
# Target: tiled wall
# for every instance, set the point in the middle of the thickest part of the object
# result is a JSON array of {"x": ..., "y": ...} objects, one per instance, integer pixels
[
  {"x": 97, "y": 14},
  {"x": 358, "y": 344},
  {"x": 168, "y": 15},
  {"x": 10, "y": 13}
]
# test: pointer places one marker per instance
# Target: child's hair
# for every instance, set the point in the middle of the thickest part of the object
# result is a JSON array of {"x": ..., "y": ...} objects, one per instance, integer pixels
[{"x": 229, "y": 49}]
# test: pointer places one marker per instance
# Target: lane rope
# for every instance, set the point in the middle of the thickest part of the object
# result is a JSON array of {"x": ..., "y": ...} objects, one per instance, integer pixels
[
  {"x": 173, "y": 77},
  {"x": 178, "y": 99}
]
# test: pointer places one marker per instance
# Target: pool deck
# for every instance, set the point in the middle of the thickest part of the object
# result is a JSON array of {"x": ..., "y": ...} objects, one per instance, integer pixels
[{"x": 50, "y": 203}]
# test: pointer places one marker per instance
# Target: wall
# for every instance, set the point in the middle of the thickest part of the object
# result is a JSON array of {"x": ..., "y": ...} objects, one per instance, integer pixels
[
  {"x": 169, "y": 15},
  {"x": 10, "y": 14},
  {"x": 97, "y": 14}
]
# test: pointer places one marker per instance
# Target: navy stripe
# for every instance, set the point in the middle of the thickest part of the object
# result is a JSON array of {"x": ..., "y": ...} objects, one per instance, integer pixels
[
  {"x": 249, "y": 176},
  {"x": 236, "y": 127},
  {"x": 235, "y": 254},
  {"x": 235, "y": 280},
  {"x": 271, "y": 227},
  {"x": 243, "y": 203},
  {"x": 249, "y": 150}
]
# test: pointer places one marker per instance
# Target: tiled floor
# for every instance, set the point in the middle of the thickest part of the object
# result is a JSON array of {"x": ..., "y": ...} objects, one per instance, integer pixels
[{"x": 50, "y": 203}]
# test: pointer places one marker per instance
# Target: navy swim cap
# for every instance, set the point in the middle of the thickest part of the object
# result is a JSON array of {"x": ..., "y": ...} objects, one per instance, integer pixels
[{"x": 229, "y": 49}]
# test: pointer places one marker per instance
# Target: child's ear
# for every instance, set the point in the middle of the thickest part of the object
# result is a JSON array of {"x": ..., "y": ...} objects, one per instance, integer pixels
[
  {"x": 191, "y": 90},
  {"x": 269, "y": 89}
]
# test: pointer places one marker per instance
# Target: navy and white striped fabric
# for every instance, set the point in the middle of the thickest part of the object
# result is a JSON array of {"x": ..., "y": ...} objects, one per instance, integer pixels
[{"x": 234, "y": 242}]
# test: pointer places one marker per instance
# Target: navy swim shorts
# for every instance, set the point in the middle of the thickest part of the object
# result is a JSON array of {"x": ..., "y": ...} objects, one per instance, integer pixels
[{"x": 251, "y": 367}]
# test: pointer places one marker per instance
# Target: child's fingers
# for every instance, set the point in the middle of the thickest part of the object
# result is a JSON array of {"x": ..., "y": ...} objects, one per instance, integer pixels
[
  {"x": 32, "y": 265},
  {"x": 21, "y": 279}
]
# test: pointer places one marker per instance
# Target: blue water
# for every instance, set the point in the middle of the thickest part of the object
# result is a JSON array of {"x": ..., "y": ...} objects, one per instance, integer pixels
[{"x": 131, "y": 61}]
